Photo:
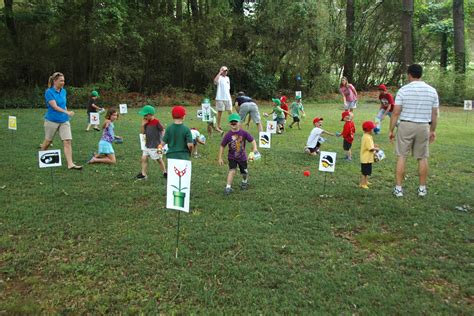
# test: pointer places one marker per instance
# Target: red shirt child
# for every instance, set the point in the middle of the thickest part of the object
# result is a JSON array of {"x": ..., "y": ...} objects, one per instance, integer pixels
[
  {"x": 284, "y": 105},
  {"x": 348, "y": 132}
]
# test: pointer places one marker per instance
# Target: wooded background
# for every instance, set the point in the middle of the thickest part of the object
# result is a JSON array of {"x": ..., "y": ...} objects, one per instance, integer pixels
[{"x": 152, "y": 45}]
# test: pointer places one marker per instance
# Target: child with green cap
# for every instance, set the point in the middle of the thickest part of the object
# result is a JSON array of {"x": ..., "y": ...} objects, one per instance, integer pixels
[
  {"x": 236, "y": 139},
  {"x": 92, "y": 107},
  {"x": 178, "y": 136},
  {"x": 280, "y": 114},
  {"x": 153, "y": 131},
  {"x": 296, "y": 108}
]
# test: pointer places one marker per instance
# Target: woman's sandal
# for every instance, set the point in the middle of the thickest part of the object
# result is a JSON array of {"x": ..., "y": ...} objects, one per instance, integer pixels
[{"x": 75, "y": 167}]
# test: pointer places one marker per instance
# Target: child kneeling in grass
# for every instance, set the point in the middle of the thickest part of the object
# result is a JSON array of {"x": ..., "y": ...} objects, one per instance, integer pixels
[
  {"x": 313, "y": 144},
  {"x": 236, "y": 139}
]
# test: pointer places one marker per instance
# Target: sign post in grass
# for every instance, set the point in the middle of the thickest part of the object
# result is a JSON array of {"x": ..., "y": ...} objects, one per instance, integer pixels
[
  {"x": 178, "y": 189},
  {"x": 50, "y": 159},
  {"x": 468, "y": 108},
  {"x": 12, "y": 126},
  {"x": 327, "y": 163}
]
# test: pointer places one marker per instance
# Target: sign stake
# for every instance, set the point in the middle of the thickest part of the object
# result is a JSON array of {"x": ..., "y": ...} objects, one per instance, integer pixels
[{"x": 177, "y": 236}]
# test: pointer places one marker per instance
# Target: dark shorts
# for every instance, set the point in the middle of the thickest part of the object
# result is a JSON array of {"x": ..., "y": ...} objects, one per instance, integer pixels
[
  {"x": 242, "y": 166},
  {"x": 346, "y": 145},
  {"x": 312, "y": 150},
  {"x": 366, "y": 169},
  {"x": 296, "y": 119}
]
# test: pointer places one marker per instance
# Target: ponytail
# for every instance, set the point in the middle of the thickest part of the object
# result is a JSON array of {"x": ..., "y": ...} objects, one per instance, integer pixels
[{"x": 53, "y": 77}]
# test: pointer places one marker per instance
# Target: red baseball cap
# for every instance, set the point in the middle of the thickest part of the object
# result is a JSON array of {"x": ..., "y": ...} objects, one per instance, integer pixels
[
  {"x": 317, "y": 119},
  {"x": 382, "y": 87},
  {"x": 178, "y": 112},
  {"x": 344, "y": 114},
  {"x": 367, "y": 126}
]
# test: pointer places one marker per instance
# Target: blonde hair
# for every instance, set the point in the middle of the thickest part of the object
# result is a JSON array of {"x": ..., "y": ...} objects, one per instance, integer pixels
[{"x": 53, "y": 77}]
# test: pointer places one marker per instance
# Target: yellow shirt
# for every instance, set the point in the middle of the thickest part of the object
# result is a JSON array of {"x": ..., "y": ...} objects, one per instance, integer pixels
[{"x": 367, "y": 143}]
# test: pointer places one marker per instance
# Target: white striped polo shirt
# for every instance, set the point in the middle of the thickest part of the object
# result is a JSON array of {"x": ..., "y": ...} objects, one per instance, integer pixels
[{"x": 417, "y": 100}]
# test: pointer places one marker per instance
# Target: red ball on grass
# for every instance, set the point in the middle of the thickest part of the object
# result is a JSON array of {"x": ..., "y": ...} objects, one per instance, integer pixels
[{"x": 306, "y": 173}]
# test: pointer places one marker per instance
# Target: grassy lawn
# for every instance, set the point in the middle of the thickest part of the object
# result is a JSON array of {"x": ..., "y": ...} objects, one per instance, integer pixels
[{"x": 100, "y": 242}]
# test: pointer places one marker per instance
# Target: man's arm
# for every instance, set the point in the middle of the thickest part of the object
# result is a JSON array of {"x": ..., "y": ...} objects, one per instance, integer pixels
[
  {"x": 393, "y": 121},
  {"x": 434, "y": 123}
]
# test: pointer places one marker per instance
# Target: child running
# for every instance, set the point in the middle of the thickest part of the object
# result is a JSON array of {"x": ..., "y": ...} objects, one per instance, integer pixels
[
  {"x": 236, "y": 138},
  {"x": 296, "y": 108},
  {"x": 280, "y": 115},
  {"x": 313, "y": 144},
  {"x": 386, "y": 107},
  {"x": 367, "y": 150},
  {"x": 153, "y": 131},
  {"x": 106, "y": 153},
  {"x": 348, "y": 132}
]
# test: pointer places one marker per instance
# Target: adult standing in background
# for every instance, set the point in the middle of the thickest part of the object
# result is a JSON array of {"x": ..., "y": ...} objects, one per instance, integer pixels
[
  {"x": 223, "y": 98},
  {"x": 246, "y": 105},
  {"x": 57, "y": 117},
  {"x": 416, "y": 105},
  {"x": 349, "y": 94}
]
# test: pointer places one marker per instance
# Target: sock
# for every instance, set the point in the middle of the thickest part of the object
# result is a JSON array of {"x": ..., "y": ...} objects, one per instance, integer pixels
[
  {"x": 244, "y": 180},
  {"x": 398, "y": 187},
  {"x": 422, "y": 187},
  {"x": 227, "y": 186}
]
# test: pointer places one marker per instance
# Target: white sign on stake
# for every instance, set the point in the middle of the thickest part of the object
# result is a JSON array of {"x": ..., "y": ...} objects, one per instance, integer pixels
[
  {"x": 327, "y": 161},
  {"x": 49, "y": 158},
  {"x": 12, "y": 123},
  {"x": 199, "y": 114},
  {"x": 123, "y": 108},
  {"x": 142, "y": 141},
  {"x": 178, "y": 187},
  {"x": 297, "y": 94},
  {"x": 264, "y": 140},
  {"x": 468, "y": 105},
  {"x": 94, "y": 118},
  {"x": 271, "y": 127},
  {"x": 206, "y": 112}
]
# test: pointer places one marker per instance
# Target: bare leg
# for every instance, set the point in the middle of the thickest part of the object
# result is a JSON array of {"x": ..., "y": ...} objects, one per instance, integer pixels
[
  {"x": 422, "y": 170},
  {"x": 144, "y": 164},
  {"x": 400, "y": 170},
  {"x": 107, "y": 159},
  {"x": 259, "y": 127},
  {"x": 162, "y": 165},
  {"x": 230, "y": 176},
  {"x": 68, "y": 152},
  {"x": 219, "y": 119},
  {"x": 46, "y": 143},
  {"x": 88, "y": 127}
]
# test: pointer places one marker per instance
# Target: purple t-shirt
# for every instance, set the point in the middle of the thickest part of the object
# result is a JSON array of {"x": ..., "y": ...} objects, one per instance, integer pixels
[{"x": 236, "y": 141}]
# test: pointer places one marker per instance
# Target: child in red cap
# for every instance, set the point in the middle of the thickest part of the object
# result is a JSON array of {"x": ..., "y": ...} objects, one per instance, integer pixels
[
  {"x": 314, "y": 141},
  {"x": 367, "y": 150},
  {"x": 178, "y": 136},
  {"x": 386, "y": 107},
  {"x": 348, "y": 132}
]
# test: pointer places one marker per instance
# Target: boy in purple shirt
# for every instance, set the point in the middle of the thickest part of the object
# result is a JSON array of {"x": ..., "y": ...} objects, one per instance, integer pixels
[{"x": 237, "y": 156}]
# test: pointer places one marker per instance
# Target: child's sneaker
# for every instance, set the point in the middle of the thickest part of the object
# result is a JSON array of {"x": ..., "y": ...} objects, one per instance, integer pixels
[
  {"x": 244, "y": 185},
  {"x": 165, "y": 175},
  {"x": 228, "y": 191},
  {"x": 397, "y": 192},
  {"x": 422, "y": 192},
  {"x": 364, "y": 186},
  {"x": 140, "y": 176}
]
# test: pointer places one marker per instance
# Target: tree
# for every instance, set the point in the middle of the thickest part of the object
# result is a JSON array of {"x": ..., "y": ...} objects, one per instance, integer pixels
[
  {"x": 407, "y": 34},
  {"x": 459, "y": 50},
  {"x": 349, "y": 44}
]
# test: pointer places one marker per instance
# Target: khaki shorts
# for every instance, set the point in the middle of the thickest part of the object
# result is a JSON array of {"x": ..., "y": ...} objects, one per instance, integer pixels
[
  {"x": 223, "y": 105},
  {"x": 152, "y": 153},
  {"x": 50, "y": 129},
  {"x": 414, "y": 138}
]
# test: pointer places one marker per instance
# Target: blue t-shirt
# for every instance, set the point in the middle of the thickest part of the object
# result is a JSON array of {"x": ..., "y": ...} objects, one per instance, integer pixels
[{"x": 60, "y": 98}]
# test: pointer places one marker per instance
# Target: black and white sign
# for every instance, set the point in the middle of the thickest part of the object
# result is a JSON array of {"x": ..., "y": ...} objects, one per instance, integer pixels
[
  {"x": 123, "y": 108},
  {"x": 49, "y": 158}
]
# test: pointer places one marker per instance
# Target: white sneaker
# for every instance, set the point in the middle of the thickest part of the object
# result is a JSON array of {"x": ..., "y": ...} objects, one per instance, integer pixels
[
  {"x": 422, "y": 192},
  {"x": 398, "y": 193}
]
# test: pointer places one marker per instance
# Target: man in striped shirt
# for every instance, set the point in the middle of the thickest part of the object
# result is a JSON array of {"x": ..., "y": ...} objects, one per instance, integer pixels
[{"x": 416, "y": 105}]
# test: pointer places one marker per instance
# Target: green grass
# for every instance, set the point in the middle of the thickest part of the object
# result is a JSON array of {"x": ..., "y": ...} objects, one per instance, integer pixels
[{"x": 99, "y": 242}]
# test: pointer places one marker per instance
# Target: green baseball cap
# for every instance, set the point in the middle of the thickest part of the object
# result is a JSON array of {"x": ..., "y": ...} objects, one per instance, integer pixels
[
  {"x": 234, "y": 117},
  {"x": 298, "y": 97},
  {"x": 147, "y": 109},
  {"x": 277, "y": 101},
  {"x": 94, "y": 93}
]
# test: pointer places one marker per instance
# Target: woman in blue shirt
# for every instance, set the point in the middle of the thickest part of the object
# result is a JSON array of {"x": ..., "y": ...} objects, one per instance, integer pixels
[{"x": 57, "y": 117}]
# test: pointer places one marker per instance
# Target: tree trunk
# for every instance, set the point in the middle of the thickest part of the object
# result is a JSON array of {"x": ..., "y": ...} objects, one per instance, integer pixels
[
  {"x": 407, "y": 34},
  {"x": 10, "y": 21},
  {"x": 170, "y": 8},
  {"x": 179, "y": 10},
  {"x": 349, "y": 46},
  {"x": 459, "y": 50},
  {"x": 194, "y": 8},
  {"x": 443, "y": 61}
]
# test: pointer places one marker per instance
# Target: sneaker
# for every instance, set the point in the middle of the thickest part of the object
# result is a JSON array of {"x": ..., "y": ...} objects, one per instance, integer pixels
[
  {"x": 364, "y": 186},
  {"x": 228, "y": 191},
  {"x": 398, "y": 193},
  {"x": 165, "y": 175},
  {"x": 97, "y": 129},
  {"x": 244, "y": 185},
  {"x": 140, "y": 176},
  {"x": 197, "y": 156},
  {"x": 347, "y": 159},
  {"x": 422, "y": 192}
]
